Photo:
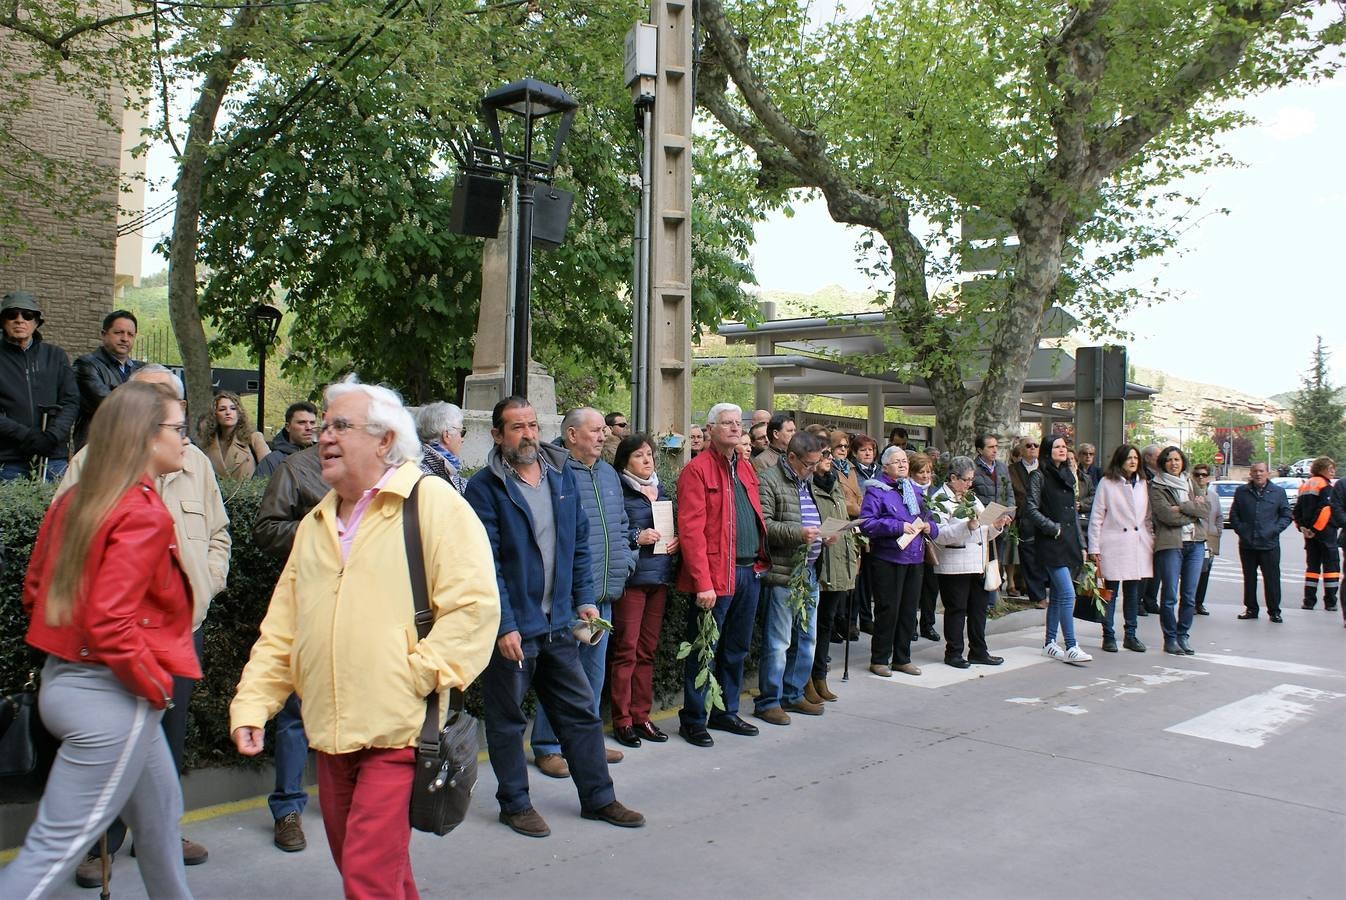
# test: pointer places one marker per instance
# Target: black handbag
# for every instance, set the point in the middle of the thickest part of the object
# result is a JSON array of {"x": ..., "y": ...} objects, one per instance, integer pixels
[
  {"x": 446, "y": 759},
  {"x": 18, "y": 731},
  {"x": 1086, "y": 608}
]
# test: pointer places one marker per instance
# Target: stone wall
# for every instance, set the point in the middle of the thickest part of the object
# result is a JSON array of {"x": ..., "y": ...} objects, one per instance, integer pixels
[{"x": 68, "y": 263}]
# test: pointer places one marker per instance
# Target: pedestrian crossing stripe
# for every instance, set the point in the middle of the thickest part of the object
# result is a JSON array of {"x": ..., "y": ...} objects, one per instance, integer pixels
[{"x": 1255, "y": 719}]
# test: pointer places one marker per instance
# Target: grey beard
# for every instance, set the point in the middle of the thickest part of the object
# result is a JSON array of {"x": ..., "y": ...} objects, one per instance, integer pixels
[{"x": 523, "y": 455}]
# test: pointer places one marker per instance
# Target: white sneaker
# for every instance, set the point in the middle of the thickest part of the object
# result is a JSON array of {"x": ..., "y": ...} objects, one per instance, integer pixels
[
  {"x": 1075, "y": 654},
  {"x": 1053, "y": 651}
]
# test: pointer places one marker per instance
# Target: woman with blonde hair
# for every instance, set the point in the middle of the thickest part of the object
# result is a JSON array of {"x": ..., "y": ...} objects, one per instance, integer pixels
[
  {"x": 110, "y": 604},
  {"x": 229, "y": 439}
]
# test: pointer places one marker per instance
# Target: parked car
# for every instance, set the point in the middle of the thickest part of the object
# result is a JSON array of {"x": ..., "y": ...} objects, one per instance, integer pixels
[
  {"x": 1224, "y": 489},
  {"x": 1300, "y": 469},
  {"x": 1290, "y": 486}
]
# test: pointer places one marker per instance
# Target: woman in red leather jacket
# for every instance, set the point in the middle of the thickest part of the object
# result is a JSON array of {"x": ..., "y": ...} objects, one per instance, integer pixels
[{"x": 109, "y": 603}]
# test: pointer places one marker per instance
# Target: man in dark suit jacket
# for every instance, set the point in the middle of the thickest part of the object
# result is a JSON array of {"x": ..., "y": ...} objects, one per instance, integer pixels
[{"x": 109, "y": 366}]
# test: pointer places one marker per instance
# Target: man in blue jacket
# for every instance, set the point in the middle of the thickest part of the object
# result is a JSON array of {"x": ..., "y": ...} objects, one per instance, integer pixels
[
  {"x": 610, "y": 558},
  {"x": 1259, "y": 514},
  {"x": 527, "y": 498}
]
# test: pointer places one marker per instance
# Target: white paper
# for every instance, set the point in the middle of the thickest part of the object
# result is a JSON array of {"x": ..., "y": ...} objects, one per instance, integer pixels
[
  {"x": 906, "y": 539},
  {"x": 992, "y": 512},
  {"x": 663, "y": 523},
  {"x": 833, "y": 526}
]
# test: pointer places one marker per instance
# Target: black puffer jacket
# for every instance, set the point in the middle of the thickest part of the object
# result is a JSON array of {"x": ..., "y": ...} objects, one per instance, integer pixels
[
  {"x": 39, "y": 378},
  {"x": 1050, "y": 509}
]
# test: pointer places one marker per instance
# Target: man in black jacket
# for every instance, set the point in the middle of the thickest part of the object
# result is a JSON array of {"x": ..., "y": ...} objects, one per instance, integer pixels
[
  {"x": 109, "y": 366},
  {"x": 300, "y": 431},
  {"x": 38, "y": 396},
  {"x": 1259, "y": 514}
]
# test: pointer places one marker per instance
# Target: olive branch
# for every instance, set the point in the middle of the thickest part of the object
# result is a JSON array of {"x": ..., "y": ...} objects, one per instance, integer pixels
[
  {"x": 707, "y": 636},
  {"x": 800, "y": 598}
]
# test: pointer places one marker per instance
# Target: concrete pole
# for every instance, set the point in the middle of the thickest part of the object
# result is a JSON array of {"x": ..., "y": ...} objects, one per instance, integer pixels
[{"x": 876, "y": 416}]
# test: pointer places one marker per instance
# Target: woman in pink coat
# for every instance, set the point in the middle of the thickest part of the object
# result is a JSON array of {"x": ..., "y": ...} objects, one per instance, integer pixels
[{"x": 1121, "y": 541}]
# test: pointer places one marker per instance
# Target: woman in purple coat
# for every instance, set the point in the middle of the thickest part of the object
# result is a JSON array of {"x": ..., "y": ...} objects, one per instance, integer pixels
[{"x": 897, "y": 522}]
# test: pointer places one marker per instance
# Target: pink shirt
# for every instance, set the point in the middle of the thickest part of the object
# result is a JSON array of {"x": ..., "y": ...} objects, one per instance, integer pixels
[{"x": 346, "y": 533}]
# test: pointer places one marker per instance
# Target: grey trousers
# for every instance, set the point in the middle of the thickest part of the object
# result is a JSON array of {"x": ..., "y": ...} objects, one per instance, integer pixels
[{"x": 113, "y": 759}]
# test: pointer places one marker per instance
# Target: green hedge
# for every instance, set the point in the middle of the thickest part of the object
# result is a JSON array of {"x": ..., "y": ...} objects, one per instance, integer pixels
[{"x": 231, "y": 626}]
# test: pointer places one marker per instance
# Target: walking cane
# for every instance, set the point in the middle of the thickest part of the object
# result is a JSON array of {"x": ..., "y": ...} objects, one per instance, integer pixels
[
  {"x": 105, "y": 894},
  {"x": 42, "y": 466},
  {"x": 846, "y": 636}
]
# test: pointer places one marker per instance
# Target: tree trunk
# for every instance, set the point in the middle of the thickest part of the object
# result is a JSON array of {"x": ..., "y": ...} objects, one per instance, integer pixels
[{"x": 183, "y": 309}]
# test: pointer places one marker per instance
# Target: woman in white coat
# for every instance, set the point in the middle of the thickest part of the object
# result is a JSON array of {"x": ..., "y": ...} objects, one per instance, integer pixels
[
  {"x": 964, "y": 549},
  {"x": 1121, "y": 541}
]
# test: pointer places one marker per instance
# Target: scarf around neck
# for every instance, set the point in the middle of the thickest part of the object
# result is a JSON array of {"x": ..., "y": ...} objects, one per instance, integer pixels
[{"x": 647, "y": 486}]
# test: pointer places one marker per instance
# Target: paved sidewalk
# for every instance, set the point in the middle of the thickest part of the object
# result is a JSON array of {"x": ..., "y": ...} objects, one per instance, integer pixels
[{"x": 1135, "y": 776}]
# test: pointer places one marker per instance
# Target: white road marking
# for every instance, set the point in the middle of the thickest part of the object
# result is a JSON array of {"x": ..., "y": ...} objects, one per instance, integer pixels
[
  {"x": 1250, "y": 722},
  {"x": 937, "y": 675},
  {"x": 1071, "y": 710},
  {"x": 1026, "y": 701},
  {"x": 1167, "y": 676},
  {"x": 1268, "y": 665}
]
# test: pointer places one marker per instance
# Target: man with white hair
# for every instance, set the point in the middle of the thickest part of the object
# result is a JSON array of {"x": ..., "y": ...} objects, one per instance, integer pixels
[
  {"x": 201, "y": 527},
  {"x": 722, "y": 539},
  {"x": 353, "y": 655},
  {"x": 440, "y": 427}
]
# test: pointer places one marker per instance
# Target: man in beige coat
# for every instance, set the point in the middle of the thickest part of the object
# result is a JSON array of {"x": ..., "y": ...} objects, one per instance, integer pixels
[{"x": 202, "y": 529}]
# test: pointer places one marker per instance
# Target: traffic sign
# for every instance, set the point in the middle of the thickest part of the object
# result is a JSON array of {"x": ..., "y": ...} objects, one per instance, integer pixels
[{"x": 1219, "y": 458}]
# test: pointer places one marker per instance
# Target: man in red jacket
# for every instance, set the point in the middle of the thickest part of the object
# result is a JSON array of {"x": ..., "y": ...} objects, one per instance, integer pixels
[{"x": 722, "y": 537}]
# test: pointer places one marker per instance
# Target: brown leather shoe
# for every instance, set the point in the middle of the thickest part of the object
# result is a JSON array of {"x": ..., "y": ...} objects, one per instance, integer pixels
[
  {"x": 907, "y": 669},
  {"x": 614, "y": 756},
  {"x": 775, "y": 715},
  {"x": 881, "y": 670},
  {"x": 526, "y": 822},
  {"x": 615, "y": 814},
  {"x": 89, "y": 874},
  {"x": 290, "y": 833},
  {"x": 820, "y": 688},
  {"x": 804, "y": 707},
  {"x": 553, "y": 764},
  {"x": 811, "y": 693},
  {"x": 193, "y": 854}
]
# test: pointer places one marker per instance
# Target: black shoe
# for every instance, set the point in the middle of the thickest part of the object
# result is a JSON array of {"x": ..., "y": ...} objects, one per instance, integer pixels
[
  {"x": 650, "y": 732},
  {"x": 957, "y": 662},
  {"x": 626, "y": 736},
  {"x": 1201, "y": 610},
  {"x": 1174, "y": 647},
  {"x": 854, "y": 634},
  {"x": 696, "y": 735},
  {"x": 1142, "y": 611},
  {"x": 733, "y": 725},
  {"x": 1329, "y": 607},
  {"x": 1133, "y": 643},
  {"x": 930, "y": 634},
  {"x": 1306, "y": 605},
  {"x": 866, "y": 627},
  {"x": 1109, "y": 645},
  {"x": 1151, "y": 607},
  {"x": 987, "y": 660},
  {"x": 1276, "y": 618},
  {"x": 1247, "y": 614},
  {"x": 1186, "y": 647},
  {"x": 838, "y": 637}
]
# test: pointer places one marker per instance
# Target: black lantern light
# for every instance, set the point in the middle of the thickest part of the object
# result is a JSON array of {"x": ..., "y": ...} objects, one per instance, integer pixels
[{"x": 264, "y": 321}]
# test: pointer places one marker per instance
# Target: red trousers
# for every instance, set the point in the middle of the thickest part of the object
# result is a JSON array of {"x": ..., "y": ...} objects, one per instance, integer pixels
[
  {"x": 636, "y": 621},
  {"x": 365, "y": 796}
]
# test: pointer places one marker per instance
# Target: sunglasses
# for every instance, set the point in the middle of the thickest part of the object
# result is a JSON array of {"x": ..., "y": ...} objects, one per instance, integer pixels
[
  {"x": 1030, "y": 446},
  {"x": 1200, "y": 474},
  {"x": 26, "y": 314}
]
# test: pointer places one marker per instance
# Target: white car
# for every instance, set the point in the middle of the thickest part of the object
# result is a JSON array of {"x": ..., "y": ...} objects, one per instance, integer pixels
[
  {"x": 1301, "y": 469},
  {"x": 1290, "y": 486},
  {"x": 1224, "y": 489}
]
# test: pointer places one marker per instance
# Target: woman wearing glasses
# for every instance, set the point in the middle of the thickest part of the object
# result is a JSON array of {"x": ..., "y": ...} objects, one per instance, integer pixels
[
  {"x": 1214, "y": 531},
  {"x": 1121, "y": 542},
  {"x": 110, "y": 604}
]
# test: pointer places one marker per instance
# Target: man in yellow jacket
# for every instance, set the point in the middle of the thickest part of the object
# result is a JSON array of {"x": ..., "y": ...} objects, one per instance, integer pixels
[{"x": 341, "y": 633}]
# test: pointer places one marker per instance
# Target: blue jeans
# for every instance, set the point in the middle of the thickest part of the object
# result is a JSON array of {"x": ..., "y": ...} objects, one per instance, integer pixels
[
  {"x": 593, "y": 659},
  {"x": 1061, "y": 606},
  {"x": 291, "y": 757},
  {"x": 734, "y": 614},
  {"x": 15, "y": 471},
  {"x": 787, "y": 649},
  {"x": 551, "y": 666},
  {"x": 1181, "y": 570},
  {"x": 1130, "y": 591}
]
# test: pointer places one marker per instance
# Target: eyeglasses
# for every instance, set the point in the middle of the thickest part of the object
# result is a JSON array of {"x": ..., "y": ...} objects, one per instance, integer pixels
[
  {"x": 1030, "y": 446},
  {"x": 618, "y": 424},
  {"x": 179, "y": 427},
  {"x": 341, "y": 426},
  {"x": 26, "y": 314},
  {"x": 1200, "y": 474}
]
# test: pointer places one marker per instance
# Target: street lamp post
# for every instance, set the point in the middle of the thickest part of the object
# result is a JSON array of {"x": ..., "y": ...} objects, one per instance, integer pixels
[
  {"x": 531, "y": 100},
  {"x": 265, "y": 321}
]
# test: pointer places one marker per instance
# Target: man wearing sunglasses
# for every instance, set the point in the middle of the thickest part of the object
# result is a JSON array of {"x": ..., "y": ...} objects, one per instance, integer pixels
[{"x": 39, "y": 397}]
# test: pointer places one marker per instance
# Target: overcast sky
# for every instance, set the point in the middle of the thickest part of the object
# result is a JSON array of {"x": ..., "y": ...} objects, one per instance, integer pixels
[{"x": 1253, "y": 288}]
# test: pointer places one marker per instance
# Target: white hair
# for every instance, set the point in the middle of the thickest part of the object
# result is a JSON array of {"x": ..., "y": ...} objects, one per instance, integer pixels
[
  {"x": 433, "y": 419},
  {"x": 386, "y": 413},
  {"x": 719, "y": 409},
  {"x": 156, "y": 369},
  {"x": 889, "y": 453}
]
